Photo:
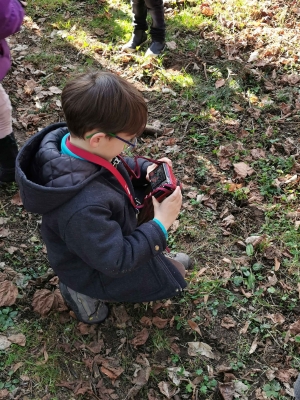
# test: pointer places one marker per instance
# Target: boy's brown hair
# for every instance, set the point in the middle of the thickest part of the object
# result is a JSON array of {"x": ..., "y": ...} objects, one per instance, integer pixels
[{"x": 103, "y": 101}]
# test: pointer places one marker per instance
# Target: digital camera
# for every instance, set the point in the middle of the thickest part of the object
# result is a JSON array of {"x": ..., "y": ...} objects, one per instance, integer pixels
[{"x": 163, "y": 181}]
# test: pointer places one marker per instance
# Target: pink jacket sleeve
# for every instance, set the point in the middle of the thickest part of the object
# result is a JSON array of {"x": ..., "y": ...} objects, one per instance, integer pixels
[{"x": 11, "y": 17}]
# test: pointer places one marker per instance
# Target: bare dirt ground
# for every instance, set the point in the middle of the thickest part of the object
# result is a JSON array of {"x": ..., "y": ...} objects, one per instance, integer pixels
[{"x": 235, "y": 331}]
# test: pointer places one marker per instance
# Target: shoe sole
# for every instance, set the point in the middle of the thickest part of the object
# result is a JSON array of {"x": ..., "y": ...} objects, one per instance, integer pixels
[
  {"x": 155, "y": 55},
  {"x": 130, "y": 50}
]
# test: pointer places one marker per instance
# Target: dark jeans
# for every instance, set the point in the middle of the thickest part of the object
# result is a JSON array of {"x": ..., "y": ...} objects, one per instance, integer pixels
[{"x": 156, "y": 10}]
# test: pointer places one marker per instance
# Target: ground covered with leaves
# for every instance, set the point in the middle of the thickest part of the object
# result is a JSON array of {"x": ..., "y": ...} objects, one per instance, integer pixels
[{"x": 224, "y": 105}]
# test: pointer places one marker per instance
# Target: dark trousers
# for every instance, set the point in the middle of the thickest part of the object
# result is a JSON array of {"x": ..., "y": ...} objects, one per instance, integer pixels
[{"x": 156, "y": 10}]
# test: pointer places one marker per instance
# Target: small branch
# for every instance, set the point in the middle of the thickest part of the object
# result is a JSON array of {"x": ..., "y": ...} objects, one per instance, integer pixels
[
  {"x": 152, "y": 131},
  {"x": 204, "y": 70}
]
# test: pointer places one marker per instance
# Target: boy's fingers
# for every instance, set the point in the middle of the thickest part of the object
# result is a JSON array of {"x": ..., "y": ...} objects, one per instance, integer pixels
[
  {"x": 166, "y": 160},
  {"x": 154, "y": 201},
  {"x": 176, "y": 192}
]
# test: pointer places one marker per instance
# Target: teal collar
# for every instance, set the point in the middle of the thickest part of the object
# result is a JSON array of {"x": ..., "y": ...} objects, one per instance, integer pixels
[{"x": 65, "y": 150}]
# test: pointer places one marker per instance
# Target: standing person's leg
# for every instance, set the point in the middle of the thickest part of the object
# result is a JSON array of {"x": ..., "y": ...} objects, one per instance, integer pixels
[
  {"x": 8, "y": 146},
  {"x": 297, "y": 388},
  {"x": 158, "y": 27},
  {"x": 140, "y": 25}
]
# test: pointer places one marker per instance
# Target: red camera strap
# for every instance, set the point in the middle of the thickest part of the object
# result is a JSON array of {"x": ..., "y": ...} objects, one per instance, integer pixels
[{"x": 93, "y": 158}]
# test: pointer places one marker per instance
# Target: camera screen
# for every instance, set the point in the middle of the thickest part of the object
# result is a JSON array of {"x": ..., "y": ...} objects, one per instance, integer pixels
[{"x": 158, "y": 177}]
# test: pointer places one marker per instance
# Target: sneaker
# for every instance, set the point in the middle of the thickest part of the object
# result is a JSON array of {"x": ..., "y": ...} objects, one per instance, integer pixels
[
  {"x": 137, "y": 39},
  {"x": 155, "y": 49},
  {"x": 87, "y": 310},
  {"x": 183, "y": 258}
]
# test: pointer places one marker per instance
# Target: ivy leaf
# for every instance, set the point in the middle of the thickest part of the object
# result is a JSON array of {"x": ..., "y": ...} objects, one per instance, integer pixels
[{"x": 249, "y": 250}]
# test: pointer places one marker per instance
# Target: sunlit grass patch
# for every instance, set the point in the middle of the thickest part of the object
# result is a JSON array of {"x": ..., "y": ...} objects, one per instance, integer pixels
[
  {"x": 177, "y": 79},
  {"x": 188, "y": 19}
]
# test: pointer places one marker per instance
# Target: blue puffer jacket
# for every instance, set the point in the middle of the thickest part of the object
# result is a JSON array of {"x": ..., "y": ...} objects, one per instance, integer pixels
[{"x": 90, "y": 227}]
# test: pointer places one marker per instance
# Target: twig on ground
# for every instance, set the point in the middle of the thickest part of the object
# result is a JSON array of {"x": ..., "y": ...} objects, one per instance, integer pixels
[
  {"x": 152, "y": 131},
  {"x": 204, "y": 70}
]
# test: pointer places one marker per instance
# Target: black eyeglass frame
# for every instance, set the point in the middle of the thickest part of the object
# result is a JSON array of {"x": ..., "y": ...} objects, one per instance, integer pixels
[{"x": 132, "y": 144}]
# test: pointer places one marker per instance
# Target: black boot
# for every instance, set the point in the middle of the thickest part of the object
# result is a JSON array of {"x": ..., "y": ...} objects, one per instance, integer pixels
[{"x": 8, "y": 154}]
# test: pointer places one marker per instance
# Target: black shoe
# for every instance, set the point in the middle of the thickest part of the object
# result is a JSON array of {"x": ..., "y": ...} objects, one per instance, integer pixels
[
  {"x": 155, "y": 49},
  {"x": 87, "y": 310},
  {"x": 183, "y": 258},
  {"x": 137, "y": 39},
  {"x": 8, "y": 154}
]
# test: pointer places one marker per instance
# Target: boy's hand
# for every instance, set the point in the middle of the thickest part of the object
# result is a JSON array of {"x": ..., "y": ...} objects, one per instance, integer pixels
[
  {"x": 167, "y": 211},
  {"x": 153, "y": 166}
]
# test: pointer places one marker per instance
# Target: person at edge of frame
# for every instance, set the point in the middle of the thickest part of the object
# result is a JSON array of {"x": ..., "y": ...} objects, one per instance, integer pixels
[
  {"x": 11, "y": 18},
  {"x": 89, "y": 225}
]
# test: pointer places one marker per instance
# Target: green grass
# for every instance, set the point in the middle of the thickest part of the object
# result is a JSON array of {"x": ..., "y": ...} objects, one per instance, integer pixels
[
  {"x": 80, "y": 36},
  {"x": 43, "y": 368}
]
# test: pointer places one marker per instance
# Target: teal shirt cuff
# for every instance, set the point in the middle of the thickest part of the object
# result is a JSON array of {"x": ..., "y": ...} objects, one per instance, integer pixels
[{"x": 161, "y": 227}]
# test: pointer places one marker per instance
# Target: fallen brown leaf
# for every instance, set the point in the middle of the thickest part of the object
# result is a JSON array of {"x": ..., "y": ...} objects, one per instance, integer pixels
[
  {"x": 46, "y": 356},
  {"x": 253, "y": 345},
  {"x": 206, "y": 10},
  {"x": 276, "y": 318},
  {"x": 4, "y": 342},
  {"x": 42, "y": 301},
  {"x": 108, "y": 373},
  {"x": 146, "y": 321},
  {"x": 200, "y": 348},
  {"x": 4, "y": 232},
  {"x": 109, "y": 366},
  {"x": 152, "y": 395},
  {"x": 96, "y": 347},
  {"x": 86, "y": 329},
  {"x": 286, "y": 375},
  {"x": 16, "y": 366},
  {"x": 226, "y": 390},
  {"x": 295, "y": 327},
  {"x": 121, "y": 316},
  {"x": 232, "y": 187},
  {"x": 194, "y": 326},
  {"x": 19, "y": 339},
  {"x": 228, "y": 322},
  {"x": 258, "y": 153},
  {"x": 243, "y": 170},
  {"x": 142, "y": 376},
  {"x": 140, "y": 338},
  {"x": 167, "y": 390},
  {"x": 277, "y": 264},
  {"x": 8, "y": 293},
  {"x": 219, "y": 83},
  {"x": 4, "y": 394},
  {"x": 244, "y": 329},
  {"x": 16, "y": 200},
  {"x": 160, "y": 323}
]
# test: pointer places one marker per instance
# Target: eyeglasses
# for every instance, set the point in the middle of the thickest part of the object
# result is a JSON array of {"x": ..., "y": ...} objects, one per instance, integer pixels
[{"x": 132, "y": 142}]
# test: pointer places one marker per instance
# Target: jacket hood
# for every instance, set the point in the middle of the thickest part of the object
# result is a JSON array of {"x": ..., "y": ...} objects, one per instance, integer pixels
[{"x": 47, "y": 178}]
